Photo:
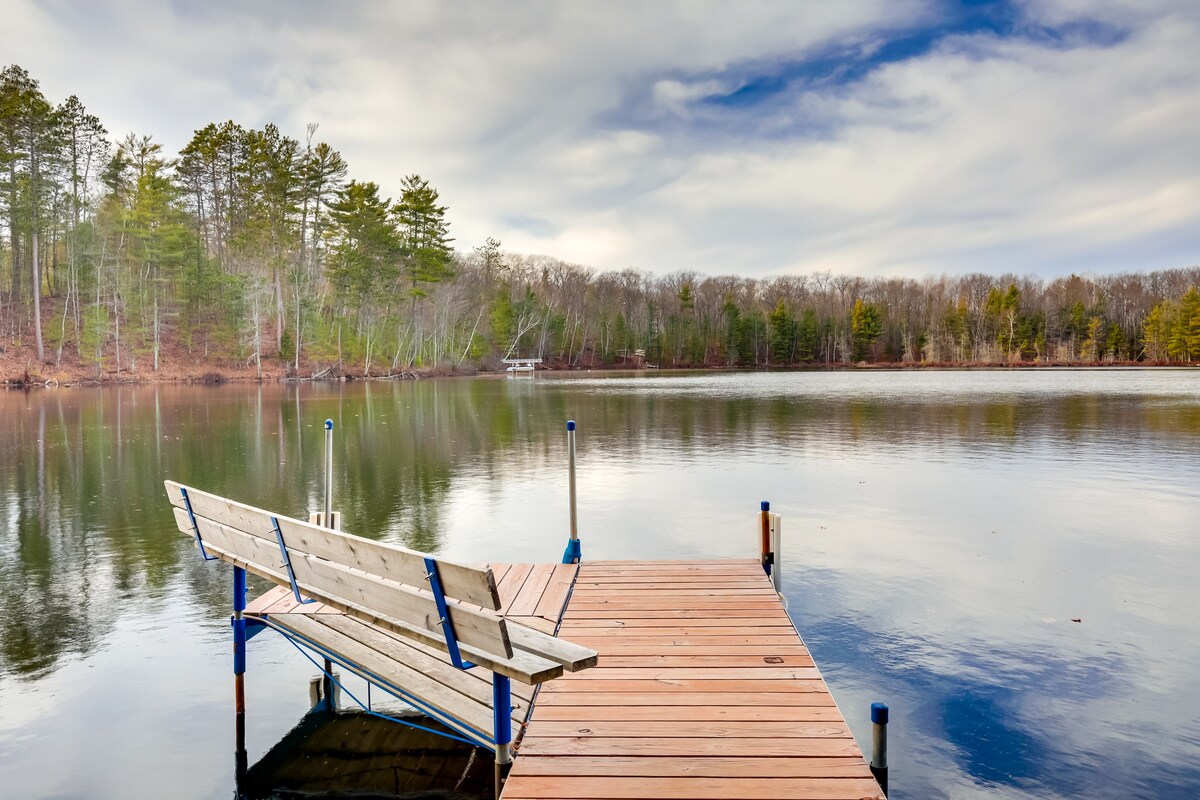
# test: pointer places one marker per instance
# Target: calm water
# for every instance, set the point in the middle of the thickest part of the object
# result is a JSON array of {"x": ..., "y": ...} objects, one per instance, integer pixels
[{"x": 943, "y": 532}]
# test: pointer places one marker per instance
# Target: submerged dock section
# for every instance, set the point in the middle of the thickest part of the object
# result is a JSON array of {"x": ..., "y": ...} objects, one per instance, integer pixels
[{"x": 704, "y": 689}]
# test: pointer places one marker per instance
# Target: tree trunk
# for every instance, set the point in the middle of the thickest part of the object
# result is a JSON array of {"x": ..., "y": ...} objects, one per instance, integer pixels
[
  {"x": 156, "y": 339},
  {"x": 37, "y": 297}
]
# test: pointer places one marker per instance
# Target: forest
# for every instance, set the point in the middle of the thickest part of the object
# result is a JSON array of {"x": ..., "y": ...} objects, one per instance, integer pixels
[{"x": 257, "y": 253}]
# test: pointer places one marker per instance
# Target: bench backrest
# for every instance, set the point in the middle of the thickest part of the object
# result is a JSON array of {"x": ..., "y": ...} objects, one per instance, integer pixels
[{"x": 359, "y": 576}]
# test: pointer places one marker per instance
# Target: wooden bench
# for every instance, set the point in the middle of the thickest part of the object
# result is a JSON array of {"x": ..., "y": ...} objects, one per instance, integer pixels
[{"x": 424, "y": 626}]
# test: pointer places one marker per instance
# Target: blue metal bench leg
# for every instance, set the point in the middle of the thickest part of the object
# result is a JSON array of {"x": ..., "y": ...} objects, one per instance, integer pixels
[
  {"x": 502, "y": 724},
  {"x": 239, "y": 674}
]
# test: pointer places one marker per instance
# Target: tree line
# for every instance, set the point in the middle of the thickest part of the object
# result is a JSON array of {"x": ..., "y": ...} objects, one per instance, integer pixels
[{"x": 255, "y": 247}]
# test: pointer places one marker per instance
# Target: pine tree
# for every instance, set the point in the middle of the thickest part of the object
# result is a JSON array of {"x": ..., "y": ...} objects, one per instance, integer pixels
[
  {"x": 1184, "y": 337},
  {"x": 783, "y": 334},
  {"x": 1156, "y": 330},
  {"x": 424, "y": 235},
  {"x": 33, "y": 136},
  {"x": 363, "y": 264},
  {"x": 865, "y": 328}
]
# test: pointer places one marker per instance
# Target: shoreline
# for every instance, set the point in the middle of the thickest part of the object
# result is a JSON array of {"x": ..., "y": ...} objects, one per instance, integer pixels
[{"x": 68, "y": 378}]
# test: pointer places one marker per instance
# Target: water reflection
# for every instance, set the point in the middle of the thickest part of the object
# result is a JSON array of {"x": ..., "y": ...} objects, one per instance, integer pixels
[{"x": 943, "y": 529}]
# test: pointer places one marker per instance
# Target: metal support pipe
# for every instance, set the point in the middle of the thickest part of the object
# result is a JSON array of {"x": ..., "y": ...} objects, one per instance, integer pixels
[
  {"x": 502, "y": 725},
  {"x": 777, "y": 552},
  {"x": 571, "y": 470},
  {"x": 879, "y": 762},
  {"x": 573, "y": 553},
  {"x": 329, "y": 473},
  {"x": 239, "y": 673},
  {"x": 239, "y": 634}
]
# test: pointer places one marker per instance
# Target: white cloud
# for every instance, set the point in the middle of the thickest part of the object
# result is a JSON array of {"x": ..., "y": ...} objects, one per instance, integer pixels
[{"x": 580, "y": 130}]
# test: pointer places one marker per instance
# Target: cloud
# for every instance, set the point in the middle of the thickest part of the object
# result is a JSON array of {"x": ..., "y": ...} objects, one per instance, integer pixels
[{"x": 869, "y": 137}]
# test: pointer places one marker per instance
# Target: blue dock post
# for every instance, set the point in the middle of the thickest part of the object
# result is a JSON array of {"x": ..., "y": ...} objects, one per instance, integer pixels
[
  {"x": 239, "y": 673},
  {"x": 573, "y": 554},
  {"x": 502, "y": 725},
  {"x": 879, "y": 763}
]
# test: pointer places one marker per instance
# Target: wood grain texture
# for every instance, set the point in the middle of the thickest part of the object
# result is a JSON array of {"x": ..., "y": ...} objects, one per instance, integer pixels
[
  {"x": 346, "y": 587},
  {"x": 708, "y": 788},
  {"x": 469, "y": 583},
  {"x": 704, "y": 689}
]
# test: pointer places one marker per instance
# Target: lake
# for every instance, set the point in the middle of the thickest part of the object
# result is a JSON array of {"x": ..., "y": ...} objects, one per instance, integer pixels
[{"x": 1008, "y": 558}]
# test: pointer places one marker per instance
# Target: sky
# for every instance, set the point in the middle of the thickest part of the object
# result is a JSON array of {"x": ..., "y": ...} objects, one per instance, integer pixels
[{"x": 866, "y": 137}]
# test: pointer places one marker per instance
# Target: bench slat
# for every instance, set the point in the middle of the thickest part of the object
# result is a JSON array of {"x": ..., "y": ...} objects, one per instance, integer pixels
[
  {"x": 338, "y": 585},
  {"x": 459, "y": 581},
  {"x": 571, "y": 656},
  {"x": 223, "y": 542}
]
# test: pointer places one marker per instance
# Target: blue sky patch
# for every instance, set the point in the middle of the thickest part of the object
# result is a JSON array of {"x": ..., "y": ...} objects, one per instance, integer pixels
[{"x": 848, "y": 63}]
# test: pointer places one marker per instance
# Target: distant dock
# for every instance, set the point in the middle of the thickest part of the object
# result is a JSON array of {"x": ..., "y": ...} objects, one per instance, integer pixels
[{"x": 521, "y": 365}]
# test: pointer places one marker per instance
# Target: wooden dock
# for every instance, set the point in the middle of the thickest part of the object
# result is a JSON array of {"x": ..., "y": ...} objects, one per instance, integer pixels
[
  {"x": 704, "y": 687},
  {"x": 663, "y": 680},
  {"x": 704, "y": 690}
]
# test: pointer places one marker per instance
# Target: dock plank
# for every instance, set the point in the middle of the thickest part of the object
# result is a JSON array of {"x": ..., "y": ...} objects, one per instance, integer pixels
[
  {"x": 760, "y": 710},
  {"x": 511, "y": 585},
  {"x": 715, "y": 788},
  {"x": 680, "y": 748},
  {"x": 641, "y": 729},
  {"x": 714, "y": 767},
  {"x": 555, "y": 597},
  {"x": 527, "y": 599},
  {"x": 774, "y": 699}
]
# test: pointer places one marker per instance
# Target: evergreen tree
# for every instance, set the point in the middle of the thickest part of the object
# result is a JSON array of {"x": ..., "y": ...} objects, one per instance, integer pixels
[
  {"x": 1156, "y": 332},
  {"x": 365, "y": 247},
  {"x": 31, "y": 130},
  {"x": 807, "y": 336},
  {"x": 424, "y": 235},
  {"x": 733, "y": 330},
  {"x": 783, "y": 334},
  {"x": 1184, "y": 337},
  {"x": 865, "y": 328}
]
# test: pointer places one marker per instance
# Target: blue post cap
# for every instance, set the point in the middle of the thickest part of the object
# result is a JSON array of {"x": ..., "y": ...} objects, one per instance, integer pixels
[
  {"x": 328, "y": 424},
  {"x": 879, "y": 713},
  {"x": 570, "y": 424},
  {"x": 765, "y": 505}
]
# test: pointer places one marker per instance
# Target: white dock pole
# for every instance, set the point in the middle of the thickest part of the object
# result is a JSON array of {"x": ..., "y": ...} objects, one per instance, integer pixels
[
  {"x": 776, "y": 552},
  {"x": 327, "y": 683},
  {"x": 571, "y": 467},
  {"x": 573, "y": 554},
  {"x": 329, "y": 473}
]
